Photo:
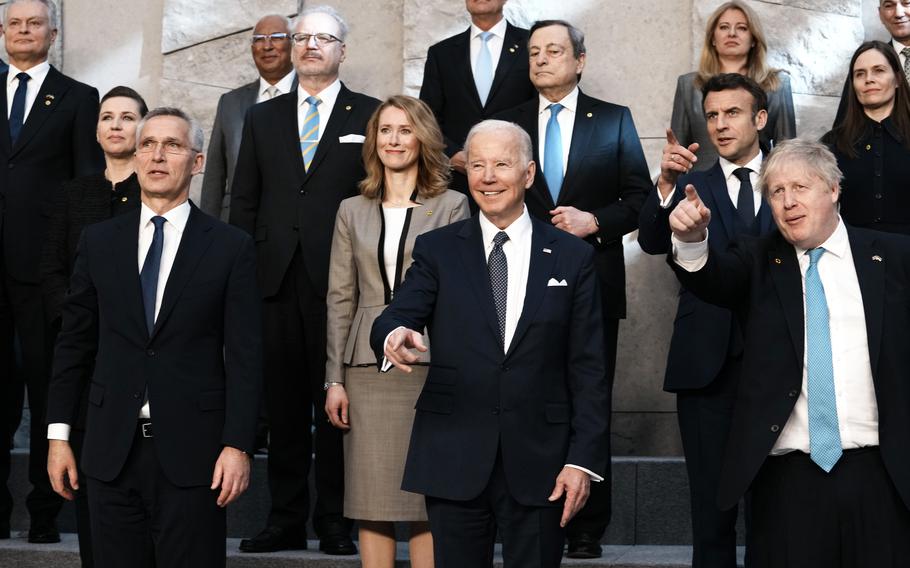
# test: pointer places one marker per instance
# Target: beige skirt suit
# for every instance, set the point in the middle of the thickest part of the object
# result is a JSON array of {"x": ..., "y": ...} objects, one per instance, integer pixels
[{"x": 381, "y": 405}]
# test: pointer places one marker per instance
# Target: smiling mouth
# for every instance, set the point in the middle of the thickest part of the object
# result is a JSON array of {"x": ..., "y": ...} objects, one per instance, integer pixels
[{"x": 492, "y": 193}]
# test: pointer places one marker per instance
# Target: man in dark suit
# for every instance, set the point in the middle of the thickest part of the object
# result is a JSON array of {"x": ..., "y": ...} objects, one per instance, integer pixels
[
  {"x": 177, "y": 353},
  {"x": 822, "y": 414},
  {"x": 736, "y": 111},
  {"x": 473, "y": 75},
  {"x": 271, "y": 49},
  {"x": 516, "y": 397},
  {"x": 593, "y": 181},
  {"x": 51, "y": 139},
  {"x": 299, "y": 157}
]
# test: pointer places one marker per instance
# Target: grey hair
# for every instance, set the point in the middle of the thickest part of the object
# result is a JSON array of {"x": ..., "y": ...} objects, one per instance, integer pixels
[
  {"x": 576, "y": 36},
  {"x": 328, "y": 10},
  {"x": 815, "y": 156},
  {"x": 49, "y": 4},
  {"x": 197, "y": 138},
  {"x": 517, "y": 132},
  {"x": 284, "y": 19}
]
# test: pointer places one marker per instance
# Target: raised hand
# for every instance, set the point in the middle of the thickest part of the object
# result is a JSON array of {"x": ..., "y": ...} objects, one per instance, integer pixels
[
  {"x": 675, "y": 161},
  {"x": 689, "y": 219},
  {"x": 400, "y": 345}
]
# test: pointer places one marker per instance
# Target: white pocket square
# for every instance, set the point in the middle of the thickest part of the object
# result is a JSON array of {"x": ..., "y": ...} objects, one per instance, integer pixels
[
  {"x": 555, "y": 282},
  {"x": 352, "y": 139}
]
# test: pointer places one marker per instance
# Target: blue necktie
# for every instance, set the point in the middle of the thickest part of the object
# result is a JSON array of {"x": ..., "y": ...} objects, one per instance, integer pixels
[
  {"x": 148, "y": 276},
  {"x": 499, "y": 281},
  {"x": 552, "y": 156},
  {"x": 824, "y": 434},
  {"x": 17, "y": 112},
  {"x": 483, "y": 69},
  {"x": 309, "y": 133}
]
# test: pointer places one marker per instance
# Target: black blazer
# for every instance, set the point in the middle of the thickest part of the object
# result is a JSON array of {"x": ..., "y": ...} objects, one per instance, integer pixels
[
  {"x": 449, "y": 89},
  {"x": 761, "y": 281},
  {"x": 607, "y": 175},
  {"x": 281, "y": 204},
  {"x": 202, "y": 364},
  {"x": 699, "y": 327},
  {"x": 545, "y": 402},
  {"x": 56, "y": 144}
]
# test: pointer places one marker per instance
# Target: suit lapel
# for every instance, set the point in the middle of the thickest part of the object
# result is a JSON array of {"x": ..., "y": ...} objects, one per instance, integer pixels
[
  {"x": 585, "y": 116},
  {"x": 462, "y": 61},
  {"x": 717, "y": 185},
  {"x": 471, "y": 250},
  {"x": 344, "y": 104},
  {"x": 193, "y": 244},
  {"x": 52, "y": 91},
  {"x": 871, "y": 276},
  {"x": 126, "y": 260},
  {"x": 787, "y": 279},
  {"x": 511, "y": 51},
  {"x": 765, "y": 220},
  {"x": 5, "y": 143},
  {"x": 539, "y": 270},
  {"x": 284, "y": 124}
]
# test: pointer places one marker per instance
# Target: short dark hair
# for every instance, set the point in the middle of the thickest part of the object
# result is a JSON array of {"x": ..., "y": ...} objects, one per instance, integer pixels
[
  {"x": 121, "y": 91},
  {"x": 732, "y": 81}
]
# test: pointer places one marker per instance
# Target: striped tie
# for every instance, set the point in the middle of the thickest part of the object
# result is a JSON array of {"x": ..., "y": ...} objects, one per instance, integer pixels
[{"x": 309, "y": 134}]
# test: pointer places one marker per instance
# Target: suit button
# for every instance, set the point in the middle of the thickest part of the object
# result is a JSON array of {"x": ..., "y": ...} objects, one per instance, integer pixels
[
  {"x": 878, "y": 195},
  {"x": 150, "y": 352},
  {"x": 303, "y": 192},
  {"x": 505, "y": 368},
  {"x": 495, "y": 410},
  {"x": 296, "y": 227},
  {"x": 775, "y": 428},
  {"x": 793, "y": 394},
  {"x": 137, "y": 395}
]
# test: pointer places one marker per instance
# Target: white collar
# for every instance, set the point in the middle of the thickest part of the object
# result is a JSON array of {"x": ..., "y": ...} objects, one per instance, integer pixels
[
  {"x": 176, "y": 216},
  {"x": 837, "y": 244},
  {"x": 517, "y": 231},
  {"x": 327, "y": 95},
  {"x": 498, "y": 29},
  {"x": 568, "y": 102},
  {"x": 283, "y": 84},
  {"x": 729, "y": 167},
  {"x": 36, "y": 73}
]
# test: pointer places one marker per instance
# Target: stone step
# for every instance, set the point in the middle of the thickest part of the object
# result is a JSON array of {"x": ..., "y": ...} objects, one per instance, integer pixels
[
  {"x": 19, "y": 553},
  {"x": 650, "y": 502}
]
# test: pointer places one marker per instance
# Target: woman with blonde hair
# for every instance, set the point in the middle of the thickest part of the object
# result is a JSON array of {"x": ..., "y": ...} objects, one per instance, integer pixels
[
  {"x": 734, "y": 43},
  {"x": 403, "y": 195}
]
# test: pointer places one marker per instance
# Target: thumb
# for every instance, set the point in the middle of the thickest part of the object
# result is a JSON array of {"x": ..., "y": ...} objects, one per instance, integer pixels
[
  {"x": 693, "y": 147},
  {"x": 692, "y": 194},
  {"x": 671, "y": 138},
  {"x": 216, "y": 477},
  {"x": 418, "y": 342},
  {"x": 73, "y": 474},
  {"x": 557, "y": 491}
]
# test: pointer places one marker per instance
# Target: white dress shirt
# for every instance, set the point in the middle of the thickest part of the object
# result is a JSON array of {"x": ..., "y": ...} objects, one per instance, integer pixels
[
  {"x": 282, "y": 87},
  {"x": 857, "y": 409},
  {"x": 173, "y": 232},
  {"x": 494, "y": 44},
  {"x": 566, "y": 120},
  {"x": 733, "y": 183},
  {"x": 394, "y": 225},
  {"x": 37, "y": 73},
  {"x": 328, "y": 96}
]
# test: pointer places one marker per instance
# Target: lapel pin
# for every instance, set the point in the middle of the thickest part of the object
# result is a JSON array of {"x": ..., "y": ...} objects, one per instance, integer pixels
[
  {"x": 430, "y": 212},
  {"x": 123, "y": 199},
  {"x": 48, "y": 99},
  {"x": 868, "y": 146},
  {"x": 347, "y": 107},
  {"x": 548, "y": 251},
  {"x": 877, "y": 258},
  {"x": 777, "y": 261},
  {"x": 511, "y": 50},
  {"x": 590, "y": 114}
]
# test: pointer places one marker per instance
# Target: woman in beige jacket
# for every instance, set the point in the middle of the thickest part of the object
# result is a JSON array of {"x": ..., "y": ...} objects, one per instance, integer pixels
[{"x": 403, "y": 195}]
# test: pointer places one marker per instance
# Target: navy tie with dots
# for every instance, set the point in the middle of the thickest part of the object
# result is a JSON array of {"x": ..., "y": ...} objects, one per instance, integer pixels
[{"x": 499, "y": 281}]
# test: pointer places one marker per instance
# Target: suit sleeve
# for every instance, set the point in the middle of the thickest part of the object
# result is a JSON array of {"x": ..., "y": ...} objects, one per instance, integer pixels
[
  {"x": 654, "y": 223},
  {"x": 723, "y": 280},
  {"x": 432, "y": 93},
  {"x": 589, "y": 442},
  {"x": 77, "y": 343},
  {"x": 54, "y": 266},
  {"x": 414, "y": 302},
  {"x": 215, "y": 178},
  {"x": 242, "y": 351},
  {"x": 246, "y": 188},
  {"x": 341, "y": 300},
  {"x": 621, "y": 216},
  {"x": 87, "y": 156},
  {"x": 679, "y": 120}
]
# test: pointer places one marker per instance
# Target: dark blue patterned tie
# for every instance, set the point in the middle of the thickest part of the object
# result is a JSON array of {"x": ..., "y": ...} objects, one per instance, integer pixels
[
  {"x": 17, "y": 113},
  {"x": 499, "y": 280},
  {"x": 745, "y": 202},
  {"x": 148, "y": 276}
]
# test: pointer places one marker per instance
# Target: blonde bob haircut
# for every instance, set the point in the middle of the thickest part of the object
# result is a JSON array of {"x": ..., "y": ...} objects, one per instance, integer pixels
[
  {"x": 757, "y": 67},
  {"x": 432, "y": 163}
]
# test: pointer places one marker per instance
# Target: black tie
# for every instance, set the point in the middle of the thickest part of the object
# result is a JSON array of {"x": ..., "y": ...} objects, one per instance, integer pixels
[
  {"x": 148, "y": 276},
  {"x": 499, "y": 280},
  {"x": 17, "y": 112},
  {"x": 745, "y": 205}
]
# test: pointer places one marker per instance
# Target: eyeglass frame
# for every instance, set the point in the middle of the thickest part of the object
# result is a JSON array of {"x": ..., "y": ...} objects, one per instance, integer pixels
[
  {"x": 322, "y": 39},
  {"x": 260, "y": 39},
  {"x": 181, "y": 150}
]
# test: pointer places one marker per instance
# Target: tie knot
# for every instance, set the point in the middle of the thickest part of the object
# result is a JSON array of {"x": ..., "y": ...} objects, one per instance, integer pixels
[
  {"x": 554, "y": 109},
  {"x": 814, "y": 255},
  {"x": 23, "y": 76},
  {"x": 906, "y": 52},
  {"x": 158, "y": 221},
  {"x": 500, "y": 238},
  {"x": 485, "y": 36},
  {"x": 314, "y": 101},
  {"x": 742, "y": 174}
]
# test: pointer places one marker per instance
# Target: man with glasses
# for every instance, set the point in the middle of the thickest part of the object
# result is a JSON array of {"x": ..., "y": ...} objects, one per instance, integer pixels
[
  {"x": 299, "y": 157},
  {"x": 177, "y": 352},
  {"x": 271, "y": 50}
]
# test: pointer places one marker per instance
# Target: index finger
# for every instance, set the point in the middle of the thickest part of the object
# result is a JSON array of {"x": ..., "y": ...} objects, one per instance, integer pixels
[
  {"x": 671, "y": 137},
  {"x": 568, "y": 508},
  {"x": 692, "y": 194}
]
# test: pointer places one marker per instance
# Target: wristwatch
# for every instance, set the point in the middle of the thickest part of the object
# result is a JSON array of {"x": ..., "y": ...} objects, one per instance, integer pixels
[{"x": 331, "y": 384}]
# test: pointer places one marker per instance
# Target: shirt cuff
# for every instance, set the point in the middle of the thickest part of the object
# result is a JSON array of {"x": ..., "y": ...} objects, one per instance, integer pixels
[
  {"x": 691, "y": 257},
  {"x": 58, "y": 431},
  {"x": 665, "y": 203},
  {"x": 594, "y": 476},
  {"x": 386, "y": 364}
]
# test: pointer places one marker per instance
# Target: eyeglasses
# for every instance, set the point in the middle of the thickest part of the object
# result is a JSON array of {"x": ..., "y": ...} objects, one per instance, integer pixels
[
  {"x": 170, "y": 147},
  {"x": 260, "y": 39},
  {"x": 320, "y": 39}
]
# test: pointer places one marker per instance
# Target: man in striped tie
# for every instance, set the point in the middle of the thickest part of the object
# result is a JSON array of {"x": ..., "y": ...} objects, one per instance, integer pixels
[
  {"x": 299, "y": 157},
  {"x": 820, "y": 424}
]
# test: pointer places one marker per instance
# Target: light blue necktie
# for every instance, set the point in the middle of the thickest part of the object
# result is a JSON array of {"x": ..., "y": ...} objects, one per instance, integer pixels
[
  {"x": 309, "y": 133},
  {"x": 824, "y": 434},
  {"x": 552, "y": 156},
  {"x": 483, "y": 69}
]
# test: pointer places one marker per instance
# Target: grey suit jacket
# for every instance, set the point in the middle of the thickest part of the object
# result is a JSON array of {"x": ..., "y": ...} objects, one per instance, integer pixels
[
  {"x": 224, "y": 145},
  {"x": 688, "y": 120},
  {"x": 356, "y": 294}
]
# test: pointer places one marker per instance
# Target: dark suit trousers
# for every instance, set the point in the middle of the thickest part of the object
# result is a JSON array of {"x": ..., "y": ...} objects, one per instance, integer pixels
[
  {"x": 851, "y": 517},
  {"x": 22, "y": 316},
  {"x": 704, "y": 422},
  {"x": 295, "y": 346},
  {"x": 464, "y": 532},
  {"x": 141, "y": 520},
  {"x": 595, "y": 516}
]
